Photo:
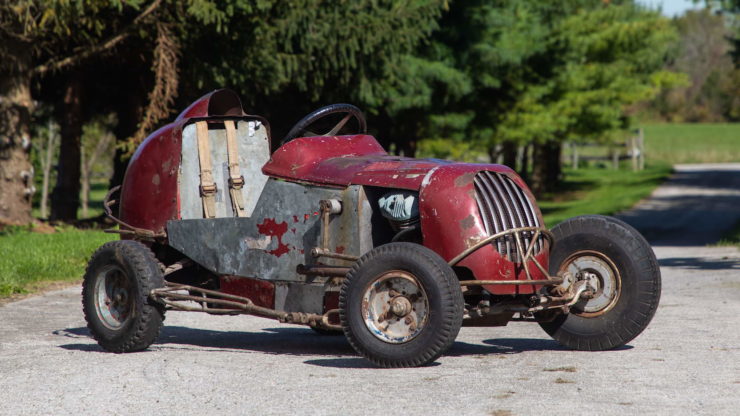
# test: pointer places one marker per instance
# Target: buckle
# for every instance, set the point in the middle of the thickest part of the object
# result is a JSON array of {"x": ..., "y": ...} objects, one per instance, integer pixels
[
  {"x": 208, "y": 190},
  {"x": 236, "y": 182}
]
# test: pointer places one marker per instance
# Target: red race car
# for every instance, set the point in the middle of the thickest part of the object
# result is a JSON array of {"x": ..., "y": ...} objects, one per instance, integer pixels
[{"x": 332, "y": 232}]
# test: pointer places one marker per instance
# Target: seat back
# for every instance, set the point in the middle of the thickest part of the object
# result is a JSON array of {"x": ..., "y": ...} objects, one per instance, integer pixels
[{"x": 253, "y": 151}]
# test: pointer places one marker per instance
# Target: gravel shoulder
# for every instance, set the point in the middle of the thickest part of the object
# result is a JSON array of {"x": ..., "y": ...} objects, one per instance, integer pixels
[{"x": 687, "y": 362}]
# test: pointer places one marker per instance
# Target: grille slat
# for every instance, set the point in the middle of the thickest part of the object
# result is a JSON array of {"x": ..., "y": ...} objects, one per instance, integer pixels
[
  {"x": 503, "y": 205},
  {"x": 485, "y": 204}
]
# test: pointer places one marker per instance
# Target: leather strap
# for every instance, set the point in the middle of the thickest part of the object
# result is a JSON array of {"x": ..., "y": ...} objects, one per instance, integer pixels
[
  {"x": 236, "y": 179},
  {"x": 207, "y": 185}
]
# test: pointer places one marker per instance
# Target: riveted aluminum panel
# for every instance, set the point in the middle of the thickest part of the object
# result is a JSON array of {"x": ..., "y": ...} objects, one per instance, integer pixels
[
  {"x": 254, "y": 152},
  {"x": 279, "y": 235}
]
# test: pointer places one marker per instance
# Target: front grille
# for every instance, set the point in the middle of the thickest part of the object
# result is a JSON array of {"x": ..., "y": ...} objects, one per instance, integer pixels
[{"x": 503, "y": 205}]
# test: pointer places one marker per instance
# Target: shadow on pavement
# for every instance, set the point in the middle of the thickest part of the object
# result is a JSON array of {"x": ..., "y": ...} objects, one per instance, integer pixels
[
  {"x": 695, "y": 207},
  {"x": 354, "y": 362},
  {"x": 290, "y": 341},
  {"x": 698, "y": 263},
  {"x": 298, "y": 342}
]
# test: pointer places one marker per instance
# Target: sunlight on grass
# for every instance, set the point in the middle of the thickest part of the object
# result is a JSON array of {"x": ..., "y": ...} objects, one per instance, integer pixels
[
  {"x": 731, "y": 237},
  {"x": 600, "y": 191},
  {"x": 29, "y": 257},
  {"x": 693, "y": 143}
]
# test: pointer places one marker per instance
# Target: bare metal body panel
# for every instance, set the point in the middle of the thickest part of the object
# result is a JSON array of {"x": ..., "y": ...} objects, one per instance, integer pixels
[
  {"x": 254, "y": 152},
  {"x": 279, "y": 235}
]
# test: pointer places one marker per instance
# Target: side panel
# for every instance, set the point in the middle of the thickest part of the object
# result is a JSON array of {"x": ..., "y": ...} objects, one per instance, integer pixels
[
  {"x": 149, "y": 193},
  {"x": 451, "y": 223},
  {"x": 279, "y": 236},
  {"x": 254, "y": 151}
]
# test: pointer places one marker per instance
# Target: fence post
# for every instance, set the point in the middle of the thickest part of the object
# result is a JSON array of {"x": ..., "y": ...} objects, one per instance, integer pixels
[
  {"x": 615, "y": 158},
  {"x": 634, "y": 153},
  {"x": 641, "y": 147},
  {"x": 574, "y": 155}
]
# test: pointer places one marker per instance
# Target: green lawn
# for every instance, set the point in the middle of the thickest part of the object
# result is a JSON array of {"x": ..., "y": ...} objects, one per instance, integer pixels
[
  {"x": 731, "y": 237},
  {"x": 692, "y": 143},
  {"x": 600, "y": 191},
  {"x": 29, "y": 257}
]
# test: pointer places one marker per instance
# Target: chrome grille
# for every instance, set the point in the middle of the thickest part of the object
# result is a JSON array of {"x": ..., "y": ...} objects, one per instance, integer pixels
[{"x": 503, "y": 205}]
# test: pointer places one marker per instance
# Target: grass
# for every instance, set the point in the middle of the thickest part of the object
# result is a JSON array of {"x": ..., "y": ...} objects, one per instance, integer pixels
[
  {"x": 731, "y": 237},
  {"x": 600, "y": 191},
  {"x": 30, "y": 257},
  {"x": 692, "y": 143}
]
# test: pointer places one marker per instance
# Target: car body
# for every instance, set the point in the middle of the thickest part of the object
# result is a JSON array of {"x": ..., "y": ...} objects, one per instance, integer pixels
[{"x": 302, "y": 234}]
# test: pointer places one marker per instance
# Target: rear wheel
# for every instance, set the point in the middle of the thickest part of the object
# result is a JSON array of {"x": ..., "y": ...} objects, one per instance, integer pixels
[
  {"x": 401, "y": 305},
  {"x": 115, "y": 296},
  {"x": 620, "y": 265}
]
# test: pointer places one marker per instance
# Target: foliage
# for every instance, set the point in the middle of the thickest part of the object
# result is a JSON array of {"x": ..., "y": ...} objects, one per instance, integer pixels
[
  {"x": 96, "y": 148},
  {"x": 30, "y": 257},
  {"x": 320, "y": 49},
  {"x": 599, "y": 61},
  {"x": 703, "y": 53}
]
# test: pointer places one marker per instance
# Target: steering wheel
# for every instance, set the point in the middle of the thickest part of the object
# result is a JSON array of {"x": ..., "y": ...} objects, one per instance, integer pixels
[{"x": 301, "y": 128}]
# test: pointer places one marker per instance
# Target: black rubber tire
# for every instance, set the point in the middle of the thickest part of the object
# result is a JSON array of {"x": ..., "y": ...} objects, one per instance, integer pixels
[
  {"x": 444, "y": 296},
  {"x": 639, "y": 291},
  {"x": 141, "y": 271}
]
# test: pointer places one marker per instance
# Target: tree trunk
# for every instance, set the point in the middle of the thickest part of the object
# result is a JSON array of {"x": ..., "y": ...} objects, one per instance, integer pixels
[
  {"x": 46, "y": 165},
  {"x": 129, "y": 114},
  {"x": 409, "y": 147},
  {"x": 66, "y": 196},
  {"x": 546, "y": 167},
  {"x": 16, "y": 176},
  {"x": 85, "y": 185},
  {"x": 508, "y": 150},
  {"x": 524, "y": 162},
  {"x": 88, "y": 164}
]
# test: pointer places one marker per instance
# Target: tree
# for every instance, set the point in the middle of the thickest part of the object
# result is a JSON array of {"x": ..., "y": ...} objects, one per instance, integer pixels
[
  {"x": 307, "y": 53},
  {"x": 703, "y": 53},
  {"x": 38, "y": 38},
  {"x": 539, "y": 73}
]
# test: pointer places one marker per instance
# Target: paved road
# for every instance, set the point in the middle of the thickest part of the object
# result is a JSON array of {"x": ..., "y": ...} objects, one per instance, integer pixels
[
  {"x": 687, "y": 362},
  {"x": 694, "y": 208}
]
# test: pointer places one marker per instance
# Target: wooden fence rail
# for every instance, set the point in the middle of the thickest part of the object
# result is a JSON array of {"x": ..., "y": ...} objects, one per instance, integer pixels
[{"x": 632, "y": 148}]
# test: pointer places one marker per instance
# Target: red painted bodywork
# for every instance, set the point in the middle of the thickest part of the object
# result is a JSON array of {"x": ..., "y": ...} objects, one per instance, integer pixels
[
  {"x": 149, "y": 196},
  {"x": 450, "y": 220},
  {"x": 450, "y": 223},
  {"x": 347, "y": 160},
  {"x": 261, "y": 292},
  {"x": 149, "y": 193}
]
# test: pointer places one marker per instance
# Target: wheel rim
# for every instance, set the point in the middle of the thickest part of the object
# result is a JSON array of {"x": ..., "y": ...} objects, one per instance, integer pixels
[
  {"x": 113, "y": 300},
  {"x": 602, "y": 274},
  {"x": 395, "y": 307}
]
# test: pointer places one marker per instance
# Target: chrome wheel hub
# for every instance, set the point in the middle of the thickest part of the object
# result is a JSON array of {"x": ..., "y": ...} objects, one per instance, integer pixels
[
  {"x": 111, "y": 295},
  {"x": 395, "y": 307}
]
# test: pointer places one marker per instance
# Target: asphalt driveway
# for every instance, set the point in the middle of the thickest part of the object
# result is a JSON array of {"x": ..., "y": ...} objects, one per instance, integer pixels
[{"x": 687, "y": 362}]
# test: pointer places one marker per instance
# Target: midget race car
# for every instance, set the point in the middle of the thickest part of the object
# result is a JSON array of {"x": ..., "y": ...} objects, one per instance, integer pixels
[{"x": 332, "y": 232}]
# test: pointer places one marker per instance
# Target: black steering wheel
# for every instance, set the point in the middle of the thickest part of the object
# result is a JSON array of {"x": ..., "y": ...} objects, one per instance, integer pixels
[{"x": 301, "y": 128}]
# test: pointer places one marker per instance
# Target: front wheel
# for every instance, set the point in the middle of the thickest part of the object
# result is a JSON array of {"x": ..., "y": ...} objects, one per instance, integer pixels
[
  {"x": 401, "y": 305},
  {"x": 620, "y": 266},
  {"x": 115, "y": 296}
]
